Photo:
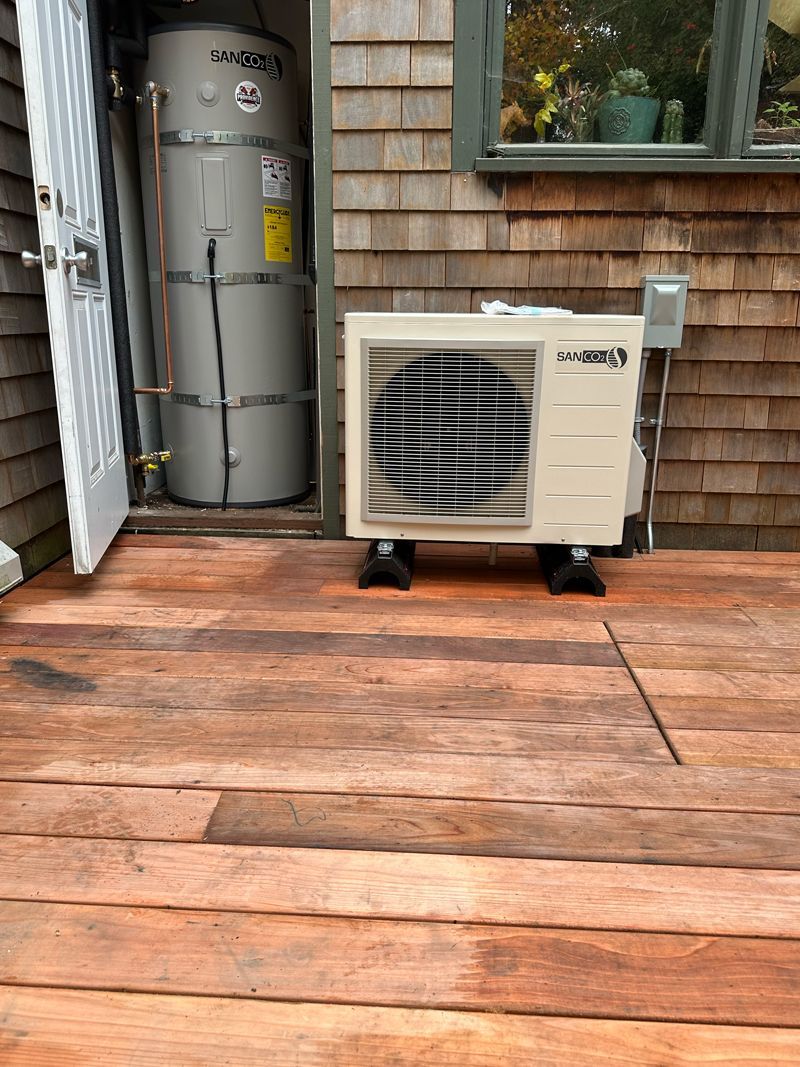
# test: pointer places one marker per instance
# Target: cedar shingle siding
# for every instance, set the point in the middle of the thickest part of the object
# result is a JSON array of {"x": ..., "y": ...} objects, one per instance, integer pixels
[
  {"x": 411, "y": 236},
  {"x": 32, "y": 500}
]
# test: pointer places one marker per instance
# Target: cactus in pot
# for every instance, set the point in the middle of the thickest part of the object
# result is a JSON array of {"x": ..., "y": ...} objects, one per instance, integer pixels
[
  {"x": 628, "y": 114},
  {"x": 672, "y": 128},
  {"x": 629, "y": 82}
]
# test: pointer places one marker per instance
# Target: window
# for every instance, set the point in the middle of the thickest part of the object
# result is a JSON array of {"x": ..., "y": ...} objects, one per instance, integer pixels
[{"x": 644, "y": 84}]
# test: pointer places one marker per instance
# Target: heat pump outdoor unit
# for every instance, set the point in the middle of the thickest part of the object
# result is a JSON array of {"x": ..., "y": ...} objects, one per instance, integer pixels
[{"x": 492, "y": 428}]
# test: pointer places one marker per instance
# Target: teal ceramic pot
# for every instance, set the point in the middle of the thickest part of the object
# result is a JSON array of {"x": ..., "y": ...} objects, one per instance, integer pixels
[{"x": 628, "y": 119}]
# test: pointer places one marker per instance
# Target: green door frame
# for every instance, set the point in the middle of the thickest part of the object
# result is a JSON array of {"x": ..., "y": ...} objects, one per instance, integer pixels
[{"x": 326, "y": 296}]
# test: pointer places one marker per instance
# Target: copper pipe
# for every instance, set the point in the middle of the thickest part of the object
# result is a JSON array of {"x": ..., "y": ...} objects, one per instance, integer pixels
[{"x": 155, "y": 93}]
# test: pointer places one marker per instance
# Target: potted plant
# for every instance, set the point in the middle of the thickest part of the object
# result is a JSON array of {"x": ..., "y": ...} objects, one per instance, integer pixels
[
  {"x": 628, "y": 115},
  {"x": 779, "y": 124},
  {"x": 672, "y": 126},
  {"x": 578, "y": 110}
]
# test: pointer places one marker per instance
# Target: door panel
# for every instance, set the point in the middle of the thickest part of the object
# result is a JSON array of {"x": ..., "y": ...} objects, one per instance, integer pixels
[{"x": 57, "y": 73}]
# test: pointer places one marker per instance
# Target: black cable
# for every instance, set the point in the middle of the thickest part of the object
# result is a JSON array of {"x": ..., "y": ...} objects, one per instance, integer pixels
[
  {"x": 212, "y": 252},
  {"x": 259, "y": 16}
]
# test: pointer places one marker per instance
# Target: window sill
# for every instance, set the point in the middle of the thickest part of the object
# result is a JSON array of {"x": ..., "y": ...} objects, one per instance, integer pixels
[{"x": 629, "y": 164}]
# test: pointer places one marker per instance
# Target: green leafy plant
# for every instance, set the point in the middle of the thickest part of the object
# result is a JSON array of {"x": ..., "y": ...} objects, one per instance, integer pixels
[
  {"x": 783, "y": 114},
  {"x": 629, "y": 82}
]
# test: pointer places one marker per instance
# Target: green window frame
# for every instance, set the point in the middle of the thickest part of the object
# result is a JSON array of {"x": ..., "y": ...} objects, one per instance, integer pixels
[{"x": 739, "y": 30}]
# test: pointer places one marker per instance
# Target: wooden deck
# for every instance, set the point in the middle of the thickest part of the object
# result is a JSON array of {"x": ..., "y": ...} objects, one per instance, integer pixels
[{"x": 251, "y": 815}]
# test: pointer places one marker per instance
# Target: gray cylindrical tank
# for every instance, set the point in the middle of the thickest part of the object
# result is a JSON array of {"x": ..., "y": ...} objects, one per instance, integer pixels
[{"x": 242, "y": 185}]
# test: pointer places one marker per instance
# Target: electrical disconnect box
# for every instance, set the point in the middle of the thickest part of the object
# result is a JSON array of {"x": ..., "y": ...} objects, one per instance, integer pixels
[{"x": 663, "y": 304}]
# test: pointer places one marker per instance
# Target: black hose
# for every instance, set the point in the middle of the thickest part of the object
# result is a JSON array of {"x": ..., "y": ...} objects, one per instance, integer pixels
[
  {"x": 131, "y": 434},
  {"x": 212, "y": 252}
]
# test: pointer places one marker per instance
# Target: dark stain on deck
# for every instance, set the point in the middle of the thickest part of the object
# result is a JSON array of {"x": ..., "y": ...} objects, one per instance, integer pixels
[{"x": 43, "y": 676}]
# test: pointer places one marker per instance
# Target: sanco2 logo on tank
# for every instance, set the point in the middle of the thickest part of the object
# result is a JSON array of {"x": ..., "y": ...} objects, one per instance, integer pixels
[
  {"x": 266, "y": 61},
  {"x": 615, "y": 358}
]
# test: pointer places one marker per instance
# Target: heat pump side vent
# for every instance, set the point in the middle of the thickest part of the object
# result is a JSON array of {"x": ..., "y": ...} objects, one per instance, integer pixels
[{"x": 449, "y": 432}]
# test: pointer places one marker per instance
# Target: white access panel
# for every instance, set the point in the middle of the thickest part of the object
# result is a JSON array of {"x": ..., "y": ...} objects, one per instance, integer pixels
[
  {"x": 582, "y": 412},
  {"x": 58, "y": 90}
]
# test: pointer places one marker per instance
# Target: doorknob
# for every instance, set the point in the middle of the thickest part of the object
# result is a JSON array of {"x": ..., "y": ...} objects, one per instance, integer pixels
[
  {"x": 30, "y": 259},
  {"x": 80, "y": 261}
]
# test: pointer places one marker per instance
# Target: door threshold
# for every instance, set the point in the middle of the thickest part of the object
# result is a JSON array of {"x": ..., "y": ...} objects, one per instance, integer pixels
[{"x": 162, "y": 515}]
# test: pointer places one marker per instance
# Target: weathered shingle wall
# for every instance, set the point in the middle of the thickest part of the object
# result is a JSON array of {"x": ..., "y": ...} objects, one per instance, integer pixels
[
  {"x": 32, "y": 500},
  {"x": 411, "y": 236}
]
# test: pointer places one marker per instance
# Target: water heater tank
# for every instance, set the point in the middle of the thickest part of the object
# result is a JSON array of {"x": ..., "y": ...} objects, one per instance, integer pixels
[{"x": 232, "y": 169}]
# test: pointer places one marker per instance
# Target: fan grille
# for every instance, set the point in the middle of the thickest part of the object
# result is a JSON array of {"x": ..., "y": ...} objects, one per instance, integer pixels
[{"x": 449, "y": 433}]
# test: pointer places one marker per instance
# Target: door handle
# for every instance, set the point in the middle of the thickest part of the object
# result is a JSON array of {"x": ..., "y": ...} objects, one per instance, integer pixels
[
  {"x": 80, "y": 261},
  {"x": 30, "y": 259}
]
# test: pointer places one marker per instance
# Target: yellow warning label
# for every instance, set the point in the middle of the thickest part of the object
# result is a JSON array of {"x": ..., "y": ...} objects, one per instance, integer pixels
[{"x": 278, "y": 234}]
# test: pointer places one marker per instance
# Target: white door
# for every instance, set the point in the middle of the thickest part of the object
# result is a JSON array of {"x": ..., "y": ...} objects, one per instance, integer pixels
[{"x": 58, "y": 87}]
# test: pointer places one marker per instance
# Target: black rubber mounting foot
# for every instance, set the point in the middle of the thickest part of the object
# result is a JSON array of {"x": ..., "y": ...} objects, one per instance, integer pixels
[
  {"x": 389, "y": 559},
  {"x": 625, "y": 549},
  {"x": 563, "y": 563}
]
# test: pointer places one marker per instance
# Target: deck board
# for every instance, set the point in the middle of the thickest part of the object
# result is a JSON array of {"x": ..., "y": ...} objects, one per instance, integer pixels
[
  {"x": 251, "y": 814},
  {"x": 474, "y": 828},
  {"x": 456, "y": 966},
  {"x": 387, "y": 885},
  {"x": 108, "y": 1028}
]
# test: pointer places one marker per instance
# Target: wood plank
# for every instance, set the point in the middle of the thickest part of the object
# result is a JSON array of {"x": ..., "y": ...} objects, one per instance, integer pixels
[
  {"x": 662, "y": 565},
  {"x": 162, "y": 692},
  {"x": 103, "y": 811},
  {"x": 455, "y": 776},
  {"x": 724, "y": 636},
  {"x": 762, "y": 616},
  {"x": 387, "y": 885},
  {"x": 722, "y": 595},
  {"x": 467, "y": 583},
  {"x": 164, "y": 582},
  {"x": 540, "y": 677},
  {"x": 737, "y": 980},
  {"x": 321, "y": 643},
  {"x": 374, "y": 601},
  {"x": 706, "y": 569},
  {"x": 689, "y": 713},
  {"x": 147, "y": 563},
  {"x": 737, "y": 748},
  {"x": 99, "y": 612},
  {"x": 711, "y": 657},
  {"x": 55, "y": 1027},
  {"x": 543, "y": 831},
  {"x": 336, "y": 730},
  {"x": 761, "y": 685}
]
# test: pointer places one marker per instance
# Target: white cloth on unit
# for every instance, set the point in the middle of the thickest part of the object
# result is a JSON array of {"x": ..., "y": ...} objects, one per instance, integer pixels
[{"x": 497, "y": 307}]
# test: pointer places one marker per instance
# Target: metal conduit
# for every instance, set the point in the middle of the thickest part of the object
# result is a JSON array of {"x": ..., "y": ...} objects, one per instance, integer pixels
[{"x": 658, "y": 422}]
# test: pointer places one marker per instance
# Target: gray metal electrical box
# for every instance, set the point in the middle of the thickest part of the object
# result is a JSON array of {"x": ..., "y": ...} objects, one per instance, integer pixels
[{"x": 663, "y": 304}]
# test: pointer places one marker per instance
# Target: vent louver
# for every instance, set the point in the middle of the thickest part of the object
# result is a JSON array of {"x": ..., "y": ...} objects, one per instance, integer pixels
[{"x": 449, "y": 433}]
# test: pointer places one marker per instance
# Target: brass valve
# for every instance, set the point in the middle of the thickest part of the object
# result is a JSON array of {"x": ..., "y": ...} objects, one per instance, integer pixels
[
  {"x": 149, "y": 461},
  {"x": 116, "y": 80}
]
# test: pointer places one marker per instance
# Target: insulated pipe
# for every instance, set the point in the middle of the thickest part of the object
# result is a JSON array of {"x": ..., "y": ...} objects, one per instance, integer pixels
[
  {"x": 134, "y": 43},
  {"x": 131, "y": 435},
  {"x": 658, "y": 422},
  {"x": 155, "y": 94}
]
